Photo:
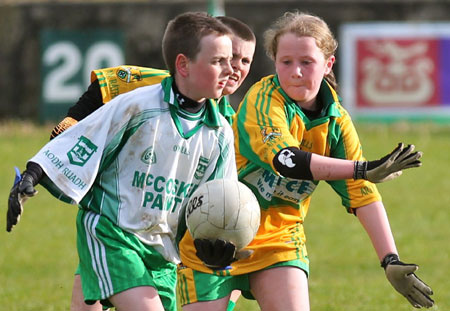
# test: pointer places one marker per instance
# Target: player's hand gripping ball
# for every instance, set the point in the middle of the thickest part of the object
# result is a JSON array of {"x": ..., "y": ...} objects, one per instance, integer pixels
[{"x": 223, "y": 209}]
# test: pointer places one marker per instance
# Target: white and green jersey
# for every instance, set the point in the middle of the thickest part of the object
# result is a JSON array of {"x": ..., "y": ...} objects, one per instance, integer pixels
[{"x": 138, "y": 159}]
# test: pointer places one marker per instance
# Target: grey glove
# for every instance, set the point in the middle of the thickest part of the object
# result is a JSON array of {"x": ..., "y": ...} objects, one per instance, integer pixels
[
  {"x": 22, "y": 189},
  {"x": 403, "y": 279},
  {"x": 390, "y": 166}
]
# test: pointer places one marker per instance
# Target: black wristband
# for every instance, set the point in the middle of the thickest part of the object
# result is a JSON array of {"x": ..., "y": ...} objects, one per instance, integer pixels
[
  {"x": 360, "y": 170},
  {"x": 389, "y": 258},
  {"x": 35, "y": 171}
]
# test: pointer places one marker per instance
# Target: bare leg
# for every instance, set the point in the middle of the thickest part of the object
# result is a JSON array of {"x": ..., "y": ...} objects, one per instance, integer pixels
[
  {"x": 77, "y": 303},
  {"x": 216, "y": 305},
  {"x": 142, "y": 298},
  {"x": 281, "y": 289}
]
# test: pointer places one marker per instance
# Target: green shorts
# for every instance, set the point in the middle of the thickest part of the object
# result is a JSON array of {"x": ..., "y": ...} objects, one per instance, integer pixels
[
  {"x": 194, "y": 286},
  {"x": 113, "y": 260}
]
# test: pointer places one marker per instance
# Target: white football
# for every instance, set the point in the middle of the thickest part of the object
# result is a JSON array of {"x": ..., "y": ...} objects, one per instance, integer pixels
[{"x": 225, "y": 209}]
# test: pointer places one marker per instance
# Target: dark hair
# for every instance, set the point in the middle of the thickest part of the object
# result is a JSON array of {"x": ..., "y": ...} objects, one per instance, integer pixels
[
  {"x": 239, "y": 28},
  {"x": 184, "y": 33}
]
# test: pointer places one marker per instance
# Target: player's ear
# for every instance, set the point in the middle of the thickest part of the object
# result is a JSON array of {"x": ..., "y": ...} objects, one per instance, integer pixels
[
  {"x": 182, "y": 65},
  {"x": 329, "y": 64}
]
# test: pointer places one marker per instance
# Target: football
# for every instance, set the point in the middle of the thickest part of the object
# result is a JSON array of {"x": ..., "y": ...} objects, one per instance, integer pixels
[{"x": 225, "y": 209}]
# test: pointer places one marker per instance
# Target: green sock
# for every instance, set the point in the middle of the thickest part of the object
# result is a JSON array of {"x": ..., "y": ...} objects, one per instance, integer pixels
[{"x": 231, "y": 305}]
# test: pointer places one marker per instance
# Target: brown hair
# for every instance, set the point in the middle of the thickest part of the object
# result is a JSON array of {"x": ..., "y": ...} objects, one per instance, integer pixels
[
  {"x": 184, "y": 33},
  {"x": 239, "y": 28},
  {"x": 302, "y": 25}
]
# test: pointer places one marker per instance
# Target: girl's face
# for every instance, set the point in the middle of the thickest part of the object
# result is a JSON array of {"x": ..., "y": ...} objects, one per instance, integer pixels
[{"x": 301, "y": 67}]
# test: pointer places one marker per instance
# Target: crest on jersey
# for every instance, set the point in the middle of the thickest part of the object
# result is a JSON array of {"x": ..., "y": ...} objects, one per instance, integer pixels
[
  {"x": 269, "y": 133},
  {"x": 82, "y": 151},
  {"x": 148, "y": 156},
  {"x": 202, "y": 164},
  {"x": 129, "y": 74}
]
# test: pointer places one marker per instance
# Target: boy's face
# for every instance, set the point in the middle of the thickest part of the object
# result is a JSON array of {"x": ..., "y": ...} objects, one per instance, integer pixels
[
  {"x": 208, "y": 73},
  {"x": 242, "y": 59}
]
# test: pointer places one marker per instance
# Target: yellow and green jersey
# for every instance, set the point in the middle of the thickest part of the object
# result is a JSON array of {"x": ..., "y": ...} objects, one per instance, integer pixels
[
  {"x": 226, "y": 109},
  {"x": 114, "y": 81},
  {"x": 118, "y": 80},
  {"x": 266, "y": 122}
]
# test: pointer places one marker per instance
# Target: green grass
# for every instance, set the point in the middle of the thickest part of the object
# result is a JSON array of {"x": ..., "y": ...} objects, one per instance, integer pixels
[{"x": 38, "y": 258}]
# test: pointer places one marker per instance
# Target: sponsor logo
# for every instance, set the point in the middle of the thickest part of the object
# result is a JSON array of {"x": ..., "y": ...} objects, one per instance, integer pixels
[
  {"x": 82, "y": 151},
  {"x": 181, "y": 149},
  {"x": 161, "y": 192},
  {"x": 285, "y": 158},
  {"x": 269, "y": 186},
  {"x": 193, "y": 204}
]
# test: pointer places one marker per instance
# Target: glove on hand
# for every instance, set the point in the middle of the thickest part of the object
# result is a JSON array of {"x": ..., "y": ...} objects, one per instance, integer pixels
[
  {"x": 390, "y": 166},
  {"x": 403, "y": 279},
  {"x": 22, "y": 189},
  {"x": 219, "y": 254}
]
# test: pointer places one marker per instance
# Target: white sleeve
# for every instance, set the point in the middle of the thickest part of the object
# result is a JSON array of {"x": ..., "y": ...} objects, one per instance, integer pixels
[{"x": 72, "y": 159}]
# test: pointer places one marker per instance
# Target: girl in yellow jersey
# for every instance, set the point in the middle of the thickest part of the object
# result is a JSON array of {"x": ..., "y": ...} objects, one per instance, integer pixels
[{"x": 282, "y": 124}]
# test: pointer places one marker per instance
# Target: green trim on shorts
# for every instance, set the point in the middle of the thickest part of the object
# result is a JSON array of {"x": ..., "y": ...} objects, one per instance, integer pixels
[
  {"x": 113, "y": 260},
  {"x": 292, "y": 263},
  {"x": 207, "y": 287},
  {"x": 211, "y": 287}
]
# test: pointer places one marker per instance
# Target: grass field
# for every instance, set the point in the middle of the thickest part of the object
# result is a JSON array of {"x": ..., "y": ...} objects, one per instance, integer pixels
[{"x": 38, "y": 258}]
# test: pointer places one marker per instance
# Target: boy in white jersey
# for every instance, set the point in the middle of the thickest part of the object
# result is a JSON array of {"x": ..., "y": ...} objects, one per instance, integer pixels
[
  {"x": 132, "y": 164},
  {"x": 110, "y": 82}
]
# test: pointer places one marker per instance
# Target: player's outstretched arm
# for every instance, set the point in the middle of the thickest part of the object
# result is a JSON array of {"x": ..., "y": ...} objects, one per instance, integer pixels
[
  {"x": 402, "y": 277},
  {"x": 295, "y": 163},
  {"x": 387, "y": 168},
  {"x": 374, "y": 219},
  {"x": 23, "y": 188}
]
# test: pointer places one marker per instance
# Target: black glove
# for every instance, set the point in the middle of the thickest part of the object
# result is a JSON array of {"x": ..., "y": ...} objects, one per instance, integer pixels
[
  {"x": 22, "y": 189},
  {"x": 403, "y": 279},
  {"x": 390, "y": 166},
  {"x": 215, "y": 255}
]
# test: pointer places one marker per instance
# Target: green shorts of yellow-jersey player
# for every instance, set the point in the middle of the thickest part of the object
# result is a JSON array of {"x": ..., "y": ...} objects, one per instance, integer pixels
[
  {"x": 194, "y": 286},
  {"x": 113, "y": 260}
]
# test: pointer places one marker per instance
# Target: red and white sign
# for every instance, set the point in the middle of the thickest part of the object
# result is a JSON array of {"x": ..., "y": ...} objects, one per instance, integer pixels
[{"x": 395, "y": 69}]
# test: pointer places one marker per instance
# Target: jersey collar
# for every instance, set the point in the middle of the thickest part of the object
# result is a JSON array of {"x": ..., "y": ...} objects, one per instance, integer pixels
[
  {"x": 327, "y": 95},
  {"x": 211, "y": 117}
]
